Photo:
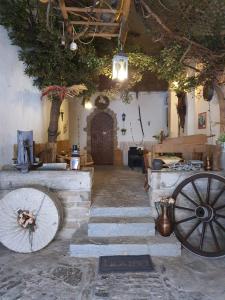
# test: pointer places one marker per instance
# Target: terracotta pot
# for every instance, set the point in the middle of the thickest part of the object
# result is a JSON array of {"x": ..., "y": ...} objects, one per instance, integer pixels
[{"x": 164, "y": 224}]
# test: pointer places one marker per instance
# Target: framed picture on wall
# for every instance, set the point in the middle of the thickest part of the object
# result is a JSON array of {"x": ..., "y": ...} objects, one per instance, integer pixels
[{"x": 202, "y": 117}]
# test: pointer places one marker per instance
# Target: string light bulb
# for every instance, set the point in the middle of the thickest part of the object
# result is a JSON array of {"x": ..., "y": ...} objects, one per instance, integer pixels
[
  {"x": 73, "y": 45},
  {"x": 63, "y": 38}
]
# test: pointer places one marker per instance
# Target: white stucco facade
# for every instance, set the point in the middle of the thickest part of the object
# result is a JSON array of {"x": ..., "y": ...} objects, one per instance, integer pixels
[
  {"x": 195, "y": 104},
  {"x": 20, "y": 104},
  {"x": 153, "y": 107}
]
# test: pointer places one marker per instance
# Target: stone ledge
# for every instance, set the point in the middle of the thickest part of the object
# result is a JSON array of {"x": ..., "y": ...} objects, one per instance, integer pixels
[{"x": 55, "y": 180}]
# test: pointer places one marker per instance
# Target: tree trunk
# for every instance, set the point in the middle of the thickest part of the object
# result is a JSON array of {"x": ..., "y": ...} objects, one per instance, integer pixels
[
  {"x": 54, "y": 118},
  {"x": 53, "y": 129}
]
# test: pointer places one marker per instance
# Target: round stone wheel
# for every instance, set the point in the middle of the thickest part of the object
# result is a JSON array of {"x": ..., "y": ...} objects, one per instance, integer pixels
[{"x": 47, "y": 214}]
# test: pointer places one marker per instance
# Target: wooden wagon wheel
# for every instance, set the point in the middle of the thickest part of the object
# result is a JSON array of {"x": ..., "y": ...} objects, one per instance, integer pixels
[
  {"x": 199, "y": 214},
  {"x": 30, "y": 219}
]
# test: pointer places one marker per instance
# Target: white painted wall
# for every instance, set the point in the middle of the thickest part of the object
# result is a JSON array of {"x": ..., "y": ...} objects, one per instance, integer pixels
[
  {"x": 20, "y": 104},
  {"x": 195, "y": 105},
  {"x": 153, "y": 110},
  {"x": 63, "y": 124}
]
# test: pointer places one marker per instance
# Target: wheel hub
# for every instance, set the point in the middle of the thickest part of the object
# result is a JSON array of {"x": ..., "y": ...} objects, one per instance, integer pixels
[{"x": 204, "y": 213}]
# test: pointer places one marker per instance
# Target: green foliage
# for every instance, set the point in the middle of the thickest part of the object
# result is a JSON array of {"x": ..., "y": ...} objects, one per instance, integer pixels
[
  {"x": 221, "y": 138},
  {"x": 45, "y": 60}
]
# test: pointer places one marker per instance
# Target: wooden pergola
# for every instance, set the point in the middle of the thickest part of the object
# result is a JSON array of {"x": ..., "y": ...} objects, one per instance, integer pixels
[{"x": 101, "y": 19}]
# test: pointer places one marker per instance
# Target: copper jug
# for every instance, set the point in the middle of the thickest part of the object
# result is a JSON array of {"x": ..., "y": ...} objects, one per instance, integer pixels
[{"x": 164, "y": 223}]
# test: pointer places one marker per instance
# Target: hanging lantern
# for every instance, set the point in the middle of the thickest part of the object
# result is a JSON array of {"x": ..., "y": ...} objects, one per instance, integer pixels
[
  {"x": 120, "y": 67},
  {"x": 87, "y": 103}
]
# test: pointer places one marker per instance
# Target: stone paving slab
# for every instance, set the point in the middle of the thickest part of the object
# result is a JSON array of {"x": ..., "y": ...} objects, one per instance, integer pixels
[
  {"x": 51, "y": 274},
  {"x": 118, "y": 187}
]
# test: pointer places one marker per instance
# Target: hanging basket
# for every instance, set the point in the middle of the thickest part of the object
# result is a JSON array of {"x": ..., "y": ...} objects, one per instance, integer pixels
[
  {"x": 208, "y": 91},
  {"x": 30, "y": 219}
]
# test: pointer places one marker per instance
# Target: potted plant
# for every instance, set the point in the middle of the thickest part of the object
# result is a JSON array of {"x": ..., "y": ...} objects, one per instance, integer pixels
[{"x": 221, "y": 140}]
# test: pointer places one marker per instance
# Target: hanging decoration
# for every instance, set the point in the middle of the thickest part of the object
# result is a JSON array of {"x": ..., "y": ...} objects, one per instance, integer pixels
[
  {"x": 208, "y": 91},
  {"x": 87, "y": 103},
  {"x": 63, "y": 38},
  {"x": 181, "y": 109},
  {"x": 141, "y": 125},
  {"x": 73, "y": 45},
  {"x": 123, "y": 130},
  {"x": 120, "y": 67},
  {"x": 102, "y": 102}
]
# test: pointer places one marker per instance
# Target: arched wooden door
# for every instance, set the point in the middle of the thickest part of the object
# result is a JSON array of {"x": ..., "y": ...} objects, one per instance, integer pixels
[{"x": 102, "y": 139}]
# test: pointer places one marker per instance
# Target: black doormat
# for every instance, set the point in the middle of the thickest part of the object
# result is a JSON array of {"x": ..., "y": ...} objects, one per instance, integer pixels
[{"x": 125, "y": 263}]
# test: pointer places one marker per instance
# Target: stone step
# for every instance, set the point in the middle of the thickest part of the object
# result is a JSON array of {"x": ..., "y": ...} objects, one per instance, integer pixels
[
  {"x": 154, "y": 246},
  {"x": 119, "y": 227},
  {"x": 135, "y": 211}
]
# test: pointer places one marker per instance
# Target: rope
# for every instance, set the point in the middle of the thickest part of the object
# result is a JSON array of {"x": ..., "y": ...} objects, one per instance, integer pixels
[{"x": 136, "y": 144}]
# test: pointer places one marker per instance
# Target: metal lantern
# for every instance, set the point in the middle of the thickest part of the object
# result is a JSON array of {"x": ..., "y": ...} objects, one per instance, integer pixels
[
  {"x": 87, "y": 103},
  {"x": 120, "y": 67}
]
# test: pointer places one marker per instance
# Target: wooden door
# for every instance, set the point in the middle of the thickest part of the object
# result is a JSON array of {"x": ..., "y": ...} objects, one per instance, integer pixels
[{"x": 102, "y": 139}]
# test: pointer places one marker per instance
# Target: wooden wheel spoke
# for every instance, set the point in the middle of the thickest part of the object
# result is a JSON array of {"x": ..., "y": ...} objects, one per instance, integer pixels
[
  {"x": 192, "y": 230},
  {"x": 202, "y": 236},
  {"x": 208, "y": 190},
  {"x": 184, "y": 208},
  {"x": 220, "y": 216},
  {"x": 220, "y": 225},
  {"x": 187, "y": 197},
  {"x": 214, "y": 236},
  {"x": 199, "y": 214},
  {"x": 218, "y": 196},
  {"x": 220, "y": 207},
  {"x": 197, "y": 192},
  {"x": 185, "y": 220}
]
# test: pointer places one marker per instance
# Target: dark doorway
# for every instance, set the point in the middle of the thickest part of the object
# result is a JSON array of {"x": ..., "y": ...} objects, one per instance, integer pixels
[{"x": 102, "y": 139}]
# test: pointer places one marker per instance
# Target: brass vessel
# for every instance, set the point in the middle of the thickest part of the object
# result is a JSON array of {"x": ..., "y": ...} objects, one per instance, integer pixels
[{"x": 164, "y": 223}]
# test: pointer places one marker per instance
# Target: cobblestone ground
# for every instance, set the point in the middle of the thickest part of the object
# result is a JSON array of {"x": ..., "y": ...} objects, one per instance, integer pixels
[{"x": 52, "y": 274}]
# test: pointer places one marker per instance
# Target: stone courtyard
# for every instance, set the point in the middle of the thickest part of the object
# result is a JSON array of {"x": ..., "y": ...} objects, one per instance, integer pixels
[{"x": 53, "y": 274}]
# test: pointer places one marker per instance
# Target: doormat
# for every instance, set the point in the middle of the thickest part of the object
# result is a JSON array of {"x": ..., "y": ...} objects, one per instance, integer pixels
[{"x": 125, "y": 263}]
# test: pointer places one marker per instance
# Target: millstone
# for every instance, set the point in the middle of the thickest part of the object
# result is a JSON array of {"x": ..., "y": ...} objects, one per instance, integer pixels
[{"x": 30, "y": 219}]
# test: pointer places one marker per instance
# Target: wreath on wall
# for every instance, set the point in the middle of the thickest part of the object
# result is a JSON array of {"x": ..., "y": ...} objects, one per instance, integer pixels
[{"x": 102, "y": 102}]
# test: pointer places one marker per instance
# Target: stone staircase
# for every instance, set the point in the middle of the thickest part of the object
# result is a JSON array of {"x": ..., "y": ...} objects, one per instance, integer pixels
[{"x": 127, "y": 230}]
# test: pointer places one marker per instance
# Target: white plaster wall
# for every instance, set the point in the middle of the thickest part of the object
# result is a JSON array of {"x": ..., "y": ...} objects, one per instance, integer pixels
[
  {"x": 173, "y": 118},
  {"x": 153, "y": 110},
  {"x": 195, "y": 105},
  {"x": 20, "y": 104},
  {"x": 63, "y": 124},
  {"x": 213, "y": 116}
]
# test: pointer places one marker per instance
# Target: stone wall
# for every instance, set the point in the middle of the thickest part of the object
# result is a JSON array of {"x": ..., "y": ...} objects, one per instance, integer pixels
[
  {"x": 163, "y": 184},
  {"x": 73, "y": 189}
]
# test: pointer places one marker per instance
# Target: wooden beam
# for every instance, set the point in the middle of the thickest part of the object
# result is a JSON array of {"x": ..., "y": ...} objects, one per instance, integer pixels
[
  {"x": 124, "y": 21},
  {"x": 92, "y": 10},
  {"x": 62, "y": 6},
  {"x": 126, "y": 9},
  {"x": 99, "y": 34},
  {"x": 95, "y": 23}
]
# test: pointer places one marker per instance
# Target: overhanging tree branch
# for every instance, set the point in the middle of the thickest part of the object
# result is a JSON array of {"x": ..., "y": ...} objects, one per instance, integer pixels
[{"x": 171, "y": 33}]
